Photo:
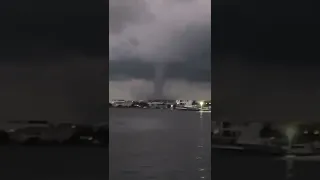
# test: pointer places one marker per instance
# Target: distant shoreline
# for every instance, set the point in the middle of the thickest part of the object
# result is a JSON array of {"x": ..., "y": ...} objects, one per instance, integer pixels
[{"x": 165, "y": 109}]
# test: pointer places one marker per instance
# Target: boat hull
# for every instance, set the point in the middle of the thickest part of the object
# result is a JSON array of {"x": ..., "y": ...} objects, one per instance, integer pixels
[{"x": 248, "y": 150}]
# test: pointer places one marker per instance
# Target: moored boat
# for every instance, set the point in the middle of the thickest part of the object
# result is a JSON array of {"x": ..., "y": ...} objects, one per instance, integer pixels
[{"x": 264, "y": 138}]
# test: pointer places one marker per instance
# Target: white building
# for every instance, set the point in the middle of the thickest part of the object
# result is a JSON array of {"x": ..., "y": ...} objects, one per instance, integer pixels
[
  {"x": 184, "y": 102},
  {"x": 118, "y": 103}
]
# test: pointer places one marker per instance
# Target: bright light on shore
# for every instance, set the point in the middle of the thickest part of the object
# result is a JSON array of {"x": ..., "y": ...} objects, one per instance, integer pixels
[
  {"x": 291, "y": 132},
  {"x": 201, "y": 103}
]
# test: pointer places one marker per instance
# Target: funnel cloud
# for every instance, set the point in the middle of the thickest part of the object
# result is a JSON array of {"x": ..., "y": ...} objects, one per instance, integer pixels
[
  {"x": 167, "y": 39},
  {"x": 159, "y": 80}
]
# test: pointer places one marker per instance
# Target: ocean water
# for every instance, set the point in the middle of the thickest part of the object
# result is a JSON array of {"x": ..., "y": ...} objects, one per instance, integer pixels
[
  {"x": 159, "y": 144},
  {"x": 54, "y": 163},
  {"x": 234, "y": 166},
  {"x": 144, "y": 145}
]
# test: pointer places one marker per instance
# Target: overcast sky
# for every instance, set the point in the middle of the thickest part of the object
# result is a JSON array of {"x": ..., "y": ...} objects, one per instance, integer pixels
[
  {"x": 145, "y": 33},
  {"x": 53, "y": 60},
  {"x": 266, "y": 60}
]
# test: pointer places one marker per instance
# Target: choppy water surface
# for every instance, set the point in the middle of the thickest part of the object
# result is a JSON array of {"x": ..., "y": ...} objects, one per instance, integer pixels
[{"x": 159, "y": 144}]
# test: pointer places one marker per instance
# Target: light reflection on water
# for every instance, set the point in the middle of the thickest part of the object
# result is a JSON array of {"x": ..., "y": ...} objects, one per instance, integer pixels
[
  {"x": 155, "y": 144},
  {"x": 291, "y": 161}
]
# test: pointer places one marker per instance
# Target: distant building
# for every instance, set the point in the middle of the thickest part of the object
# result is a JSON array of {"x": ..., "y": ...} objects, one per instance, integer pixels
[
  {"x": 184, "y": 102},
  {"x": 117, "y": 101},
  {"x": 121, "y": 103}
]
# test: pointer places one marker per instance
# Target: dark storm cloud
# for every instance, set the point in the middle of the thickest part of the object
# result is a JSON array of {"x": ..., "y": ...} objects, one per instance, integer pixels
[
  {"x": 125, "y": 70},
  {"x": 53, "y": 60},
  {"x": 69, "y": 91},
  {"x": 175, "y": 89},
  {"x": 127, "y": 12},
  {"x": 175, "y": 32},
  {"x": 264, "y": 61},
  {"x": 194, "y": 48},
  {"x": 266, "y": 92},
  {"x": 167, "y": 33},
  {"x": 159, "y": 41},
  {"x": 53, "y": 28},
  {"x": 264, "y": 31}
]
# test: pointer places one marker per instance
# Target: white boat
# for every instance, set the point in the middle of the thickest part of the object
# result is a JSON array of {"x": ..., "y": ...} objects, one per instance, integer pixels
[
  {"x": 184, "y": 108},
  {"x": 246, "y": 136},
  {"x": 22, "y": 132}
]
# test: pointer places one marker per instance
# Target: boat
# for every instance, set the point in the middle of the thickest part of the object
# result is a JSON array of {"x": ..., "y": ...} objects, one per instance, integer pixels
[
  {"x": 183, "y": 108},
  {"x": 262, "y": 139},
  {"x": 45, "y": 133}
]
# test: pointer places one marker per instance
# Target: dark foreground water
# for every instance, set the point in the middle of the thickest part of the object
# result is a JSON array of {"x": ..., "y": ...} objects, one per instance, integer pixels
[
  {"x": 235, "y": 166},
  {"x": 144, "y": 145},
  {"x": 159, "y": 144},
  {"x": 54, "y": 163}
]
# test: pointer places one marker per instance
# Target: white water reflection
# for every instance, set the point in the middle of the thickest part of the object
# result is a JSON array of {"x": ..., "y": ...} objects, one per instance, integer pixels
[{"x": 291, "y": 160}]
